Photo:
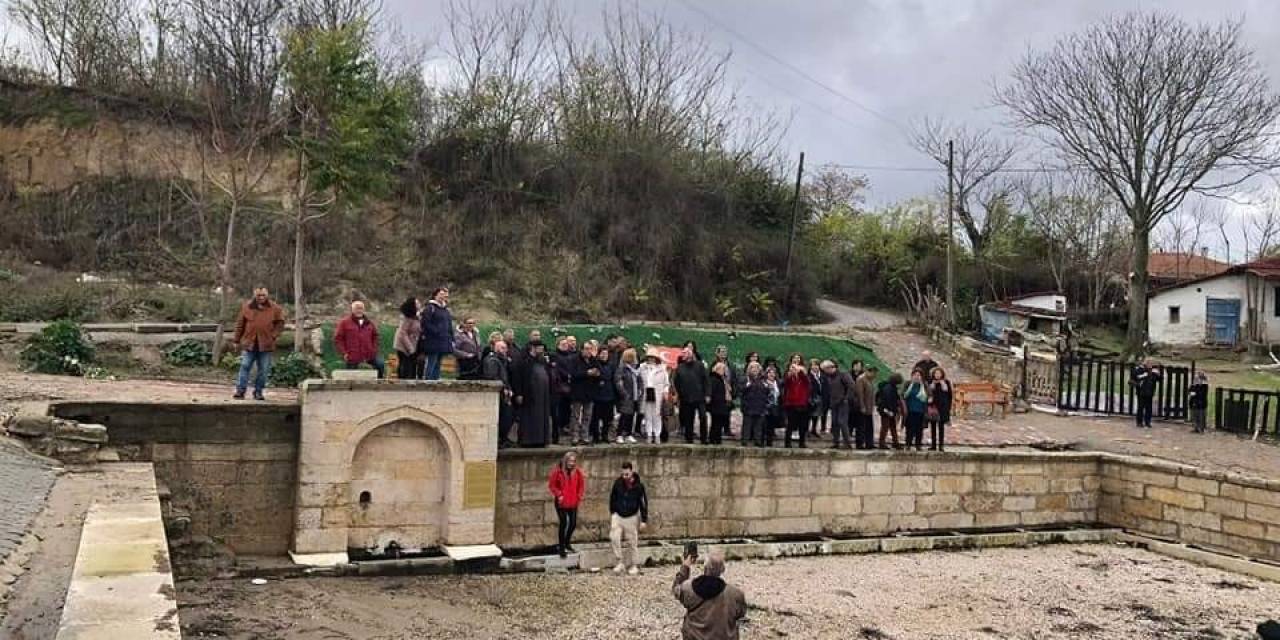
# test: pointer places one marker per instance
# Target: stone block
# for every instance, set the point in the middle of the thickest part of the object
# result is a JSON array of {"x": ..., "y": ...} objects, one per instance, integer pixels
[
  {"x": 784, "y": 526},
  {"x": 1091, "y": 483},
  {"x": 201, "y": 451},
  {"x": 1162, "y": 528},
  {"x": 716, "y": 528},
  {"x": 753, "y": 507},
  {"x": 981, "y": 502},
  {"x": 871, "y": 485},
  {"x": 913, "y": 485},
  {"x": 1269, "y": 515},
  {"x": 1018, "y": 503},
  {"x": 1077, "y": 501},
  {"x": 1147, "y": 477},
  {"x": 908, "y": 522},
  {"x": 1035, "y": 518},
  {"x": 934, "y": 504},
  {"x": 794, "y": 506},
  {"x": 1052, "y": 502},
  {"x": 1194, "y": 518},
  {"x": 889, "y": 504},
  {"x": 1198, "y": 485},
  {"x": 895, "y": 545},
  {"x": 1023, "y": 468},
  {"x": 836, "y": 505},
  {"x": 1066, "y": 485},
  {"x": 254, "y": 473},
  {"x": 1025, "y": 484},
  {"x": 953, "y": 484},
  {"x": 1266, "y": 497},
  {"x": 1243, "y": 528},
  {"x": 1273, "y": 533},
  {"x": 863, "y": 524},
  {"x": 992, "y": 484},
  {"x": 884, "y": 467},
  {"x": 1225, "y": 507},
  {"x": 951, "y": 521},
  {"x": 309, "y": 518},
  {"x": 1176, "y": 497},
  {"x": 996, "y": 519},
  {"x": 845, "y": 467},
  {"x": 322, "y": 494},
  {"x": 320, "y": 541},
  {"x": 1143, "y": 508}
]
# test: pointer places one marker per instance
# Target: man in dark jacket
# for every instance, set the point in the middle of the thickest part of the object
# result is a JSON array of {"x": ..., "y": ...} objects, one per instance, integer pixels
[
  {"x": 925, "y": 365},
  {"x": 628, "y": 516},
  {"x": 1146, "y": 377},
  {"x": 583, "y": 371},
  {"x": 497, "y": 366},
  {"x": 839, "y": 393},
  {"x": 864, "y": 428},
  {"x": 257, "y": 328},
  {"x": 356, "y": 339},
  {"x": 692, "y": 391},
  {"x": 713, "y": 608},
  {"x": 436, "y": 338}
]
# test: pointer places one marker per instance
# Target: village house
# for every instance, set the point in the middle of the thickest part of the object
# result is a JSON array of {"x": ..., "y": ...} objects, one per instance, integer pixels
[
  {"x": 1240, "y": 305},
  {"x": 1037, "y": 316},
  {"x": 1167, "y": 268}
]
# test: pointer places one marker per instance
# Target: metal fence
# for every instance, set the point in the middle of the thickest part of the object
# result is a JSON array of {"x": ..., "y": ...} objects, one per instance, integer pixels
[
  {"x": 1246, "y": 410},
  {"x": 1103, "y": 386}
]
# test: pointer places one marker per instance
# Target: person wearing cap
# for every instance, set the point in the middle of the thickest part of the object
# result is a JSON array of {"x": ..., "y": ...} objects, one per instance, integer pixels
[{"x": 656, "y": 386}]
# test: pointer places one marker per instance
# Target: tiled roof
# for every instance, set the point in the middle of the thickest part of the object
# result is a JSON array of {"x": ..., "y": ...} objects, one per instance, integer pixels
[{"x": 1183, "y": 266}]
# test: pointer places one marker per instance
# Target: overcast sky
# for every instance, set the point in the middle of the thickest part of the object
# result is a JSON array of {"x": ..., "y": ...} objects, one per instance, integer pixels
[{"x": 901, "y": 59}]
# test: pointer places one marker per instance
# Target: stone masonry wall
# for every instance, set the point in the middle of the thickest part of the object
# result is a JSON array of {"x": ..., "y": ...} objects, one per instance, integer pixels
[
  {"x": 232, "y": 467},
  {"x": 732, "y": 492},
  {"x": 1222, "y": 511}
]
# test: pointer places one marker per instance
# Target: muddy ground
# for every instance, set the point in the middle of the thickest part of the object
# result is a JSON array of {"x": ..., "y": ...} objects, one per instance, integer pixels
[{"x": 1086, "y": 591}]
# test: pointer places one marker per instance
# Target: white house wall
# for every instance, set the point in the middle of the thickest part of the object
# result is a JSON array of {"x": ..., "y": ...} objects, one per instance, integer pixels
[
  {"x": 1052, "y": 302},
  {"x": 1190, "y": 329}
]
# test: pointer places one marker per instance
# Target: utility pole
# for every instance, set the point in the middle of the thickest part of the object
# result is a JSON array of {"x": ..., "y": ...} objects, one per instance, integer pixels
[
  {"x": 791, "y": 242},
  {"x": 951, "y": 234}
]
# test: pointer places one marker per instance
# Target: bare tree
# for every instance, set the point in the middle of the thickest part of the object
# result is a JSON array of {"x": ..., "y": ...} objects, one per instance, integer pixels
[
  {"x": 833, "y": 190},
  {"x": 89, "y": 43},
  {"x": 1152, "y": 106},
  {"x": 1261, "y": 230},
  {"x": 979, "y": 156}
]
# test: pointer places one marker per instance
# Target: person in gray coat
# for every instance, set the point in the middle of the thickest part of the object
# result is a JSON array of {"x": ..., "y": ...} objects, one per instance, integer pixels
[
  {"x": 630, "y": 395},
  {"x": 840, "y": 390}
]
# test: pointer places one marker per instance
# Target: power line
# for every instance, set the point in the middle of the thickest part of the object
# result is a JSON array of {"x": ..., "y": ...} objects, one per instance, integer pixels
[
  {"x": 943, "y": 167},
  {"x": 794, "y": 69}
]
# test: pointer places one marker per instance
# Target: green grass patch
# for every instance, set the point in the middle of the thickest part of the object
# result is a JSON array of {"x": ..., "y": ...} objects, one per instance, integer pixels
[{"x": 776, "y": 344}]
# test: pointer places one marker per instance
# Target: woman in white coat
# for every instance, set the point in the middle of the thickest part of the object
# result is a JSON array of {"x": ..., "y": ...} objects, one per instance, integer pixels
[{"x": 657, "y": 384}]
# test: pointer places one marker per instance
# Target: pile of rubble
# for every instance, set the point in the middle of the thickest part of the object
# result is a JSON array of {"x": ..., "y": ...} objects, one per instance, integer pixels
[{"x": 66, "y": 440}]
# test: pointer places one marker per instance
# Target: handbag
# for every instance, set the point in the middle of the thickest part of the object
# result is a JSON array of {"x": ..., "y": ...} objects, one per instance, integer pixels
[
  {"x": 931, "y": 414},
  {"x": 650, "y": 394}
]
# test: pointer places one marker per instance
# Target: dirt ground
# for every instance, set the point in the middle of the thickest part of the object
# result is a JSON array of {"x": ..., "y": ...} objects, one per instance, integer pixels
[{"x": 1086, "y": 591}]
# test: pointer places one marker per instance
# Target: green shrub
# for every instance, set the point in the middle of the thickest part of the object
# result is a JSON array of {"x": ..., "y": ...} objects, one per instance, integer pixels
[
  {"x": 60, "y": 348},
  {"x": 44, "y": 301},
  {"x": 230, "y": 361},
  {"x": 187, "y": 353},
  {"x": 291, "y": 370}
]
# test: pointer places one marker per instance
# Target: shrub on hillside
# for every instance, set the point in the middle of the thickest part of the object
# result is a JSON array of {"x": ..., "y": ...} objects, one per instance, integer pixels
[
  {"x": 187, "y": 353},
  {"x": 60, "y": 348},
  {"x": 292, "y": 369}
]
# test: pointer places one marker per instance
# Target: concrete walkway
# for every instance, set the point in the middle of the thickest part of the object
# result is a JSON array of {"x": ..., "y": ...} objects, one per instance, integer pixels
[
  {"x": 847, "y": 317},
  {"x": 25, "y": 480}
]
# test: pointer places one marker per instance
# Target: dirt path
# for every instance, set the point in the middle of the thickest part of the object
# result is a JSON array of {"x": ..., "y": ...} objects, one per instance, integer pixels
[
  {"x": 1087, "y": 591},
  {"x": 33, "y": 390},
  {"x": 844, "y": 316}
]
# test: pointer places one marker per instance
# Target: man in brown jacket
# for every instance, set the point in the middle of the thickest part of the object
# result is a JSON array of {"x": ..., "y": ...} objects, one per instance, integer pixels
[
  {"x": 864, "y": 388},
  {"x": 712, "y": 606},
  {"x": 259, "y": 325}
]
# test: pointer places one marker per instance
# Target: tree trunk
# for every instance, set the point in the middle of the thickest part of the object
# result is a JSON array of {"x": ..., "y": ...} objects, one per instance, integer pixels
[
  {"x": 299, "y": 305},
  {"x": 1136, "y": 340},
  {"x": 224, "y": 282}
]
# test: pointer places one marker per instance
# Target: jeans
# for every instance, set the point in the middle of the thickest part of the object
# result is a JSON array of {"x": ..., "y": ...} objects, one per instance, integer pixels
[
  {"x": 581, "y": 421},
  {"x": 753, "y": 430},
  {"x": 839, "y": 424},
  {"x": 797, "y": 423},
  {"x": 627, "y": 424},
  {"x": 374, "y": 362},
  {"x": 1143, "y": 416},
  {"x": 568, "y": 521},
  {"x": 431, "y": 368},
  {"x": 247, "y": 361}
]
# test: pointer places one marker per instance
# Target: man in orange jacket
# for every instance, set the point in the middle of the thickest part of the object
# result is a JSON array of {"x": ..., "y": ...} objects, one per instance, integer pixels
[{"x": 258, "y": 326}]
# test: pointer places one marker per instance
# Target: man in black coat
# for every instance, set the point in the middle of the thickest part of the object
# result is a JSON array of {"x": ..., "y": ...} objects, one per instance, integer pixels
[
  {"x": 628, "y": 515},
  {"x": 692, "y": 392},
  {"x": 1146, "y": 377},
  {"x": 497, "y": 366}
]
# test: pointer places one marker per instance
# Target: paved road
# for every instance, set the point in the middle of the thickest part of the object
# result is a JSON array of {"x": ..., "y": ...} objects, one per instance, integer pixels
[
  {"x": 844, "y": 316},
  {"x": 24, "y": 484}
]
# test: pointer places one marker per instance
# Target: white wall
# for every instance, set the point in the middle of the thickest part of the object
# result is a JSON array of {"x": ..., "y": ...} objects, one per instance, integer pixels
[
  {"x": 1050, "y": 301},
  {"x": 1190, "y": 330}
]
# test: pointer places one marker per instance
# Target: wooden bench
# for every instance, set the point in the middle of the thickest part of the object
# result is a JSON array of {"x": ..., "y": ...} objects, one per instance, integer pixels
[{"x": 976, "y": 393}]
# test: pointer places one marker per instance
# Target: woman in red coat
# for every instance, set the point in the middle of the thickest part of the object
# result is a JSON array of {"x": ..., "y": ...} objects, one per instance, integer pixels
[
  {"x": 795, "y": 399},
  {"x": 567, "y": 485}
]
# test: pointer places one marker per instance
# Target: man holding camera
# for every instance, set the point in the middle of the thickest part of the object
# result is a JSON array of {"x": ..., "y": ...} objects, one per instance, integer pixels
[{"x": 713, "y": 607}]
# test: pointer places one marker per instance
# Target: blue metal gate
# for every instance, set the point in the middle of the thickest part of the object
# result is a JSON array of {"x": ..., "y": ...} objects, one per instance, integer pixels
[{"x": 1222, "y": 320}]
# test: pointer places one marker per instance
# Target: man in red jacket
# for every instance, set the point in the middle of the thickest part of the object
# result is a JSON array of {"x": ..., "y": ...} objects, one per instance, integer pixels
[
  {"x": 567, "y": 485},
  {"x": 356, "y": 339}
]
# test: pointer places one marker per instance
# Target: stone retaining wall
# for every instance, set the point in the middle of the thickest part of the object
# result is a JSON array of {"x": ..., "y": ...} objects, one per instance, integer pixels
[
  {"x": 731, "y": 492},
  {"x": 983, "y": 364},
  {"x": 1221, "y": 511}
]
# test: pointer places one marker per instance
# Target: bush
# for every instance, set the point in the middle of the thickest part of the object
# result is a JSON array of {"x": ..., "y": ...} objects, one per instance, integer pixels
[
  {"x": 187, "y": 353},
  {"x": 61, "y": 348},
  {"x": 230, "y": 361},
  {"x": 292, "y": 369}
]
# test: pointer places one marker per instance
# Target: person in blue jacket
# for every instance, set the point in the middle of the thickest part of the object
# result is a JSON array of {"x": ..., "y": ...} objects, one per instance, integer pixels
[{"x": 436, "y": 338}]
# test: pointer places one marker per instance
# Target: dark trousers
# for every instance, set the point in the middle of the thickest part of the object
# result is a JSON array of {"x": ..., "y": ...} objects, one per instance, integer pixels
[
  {"x": 840, "y": 425},
  {"x": 771, "y": 424},
  {"x": 719, "y": 425},
  {"x": 1143, "y": 417},
  {"x": 864, "y": 431},
  {"x": 687, "y": 412},
  {"x": 915, "y": 429},
  {"x": 560, "y": 415},
  {"x": 601, "y": 421},
  {"x": 797, "y": 423},
  {"x": 818, "y": 421},
  {"x": 626, "y": 424},
  {"x": 406, "y": 365},
  {"x": 937, "y": 434},
  {"x": 888, "y": 426},
  {"x": 568, "y": 522},
  {"x": 506, "y": 417},
  {"x": 374, "y": 362}
]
